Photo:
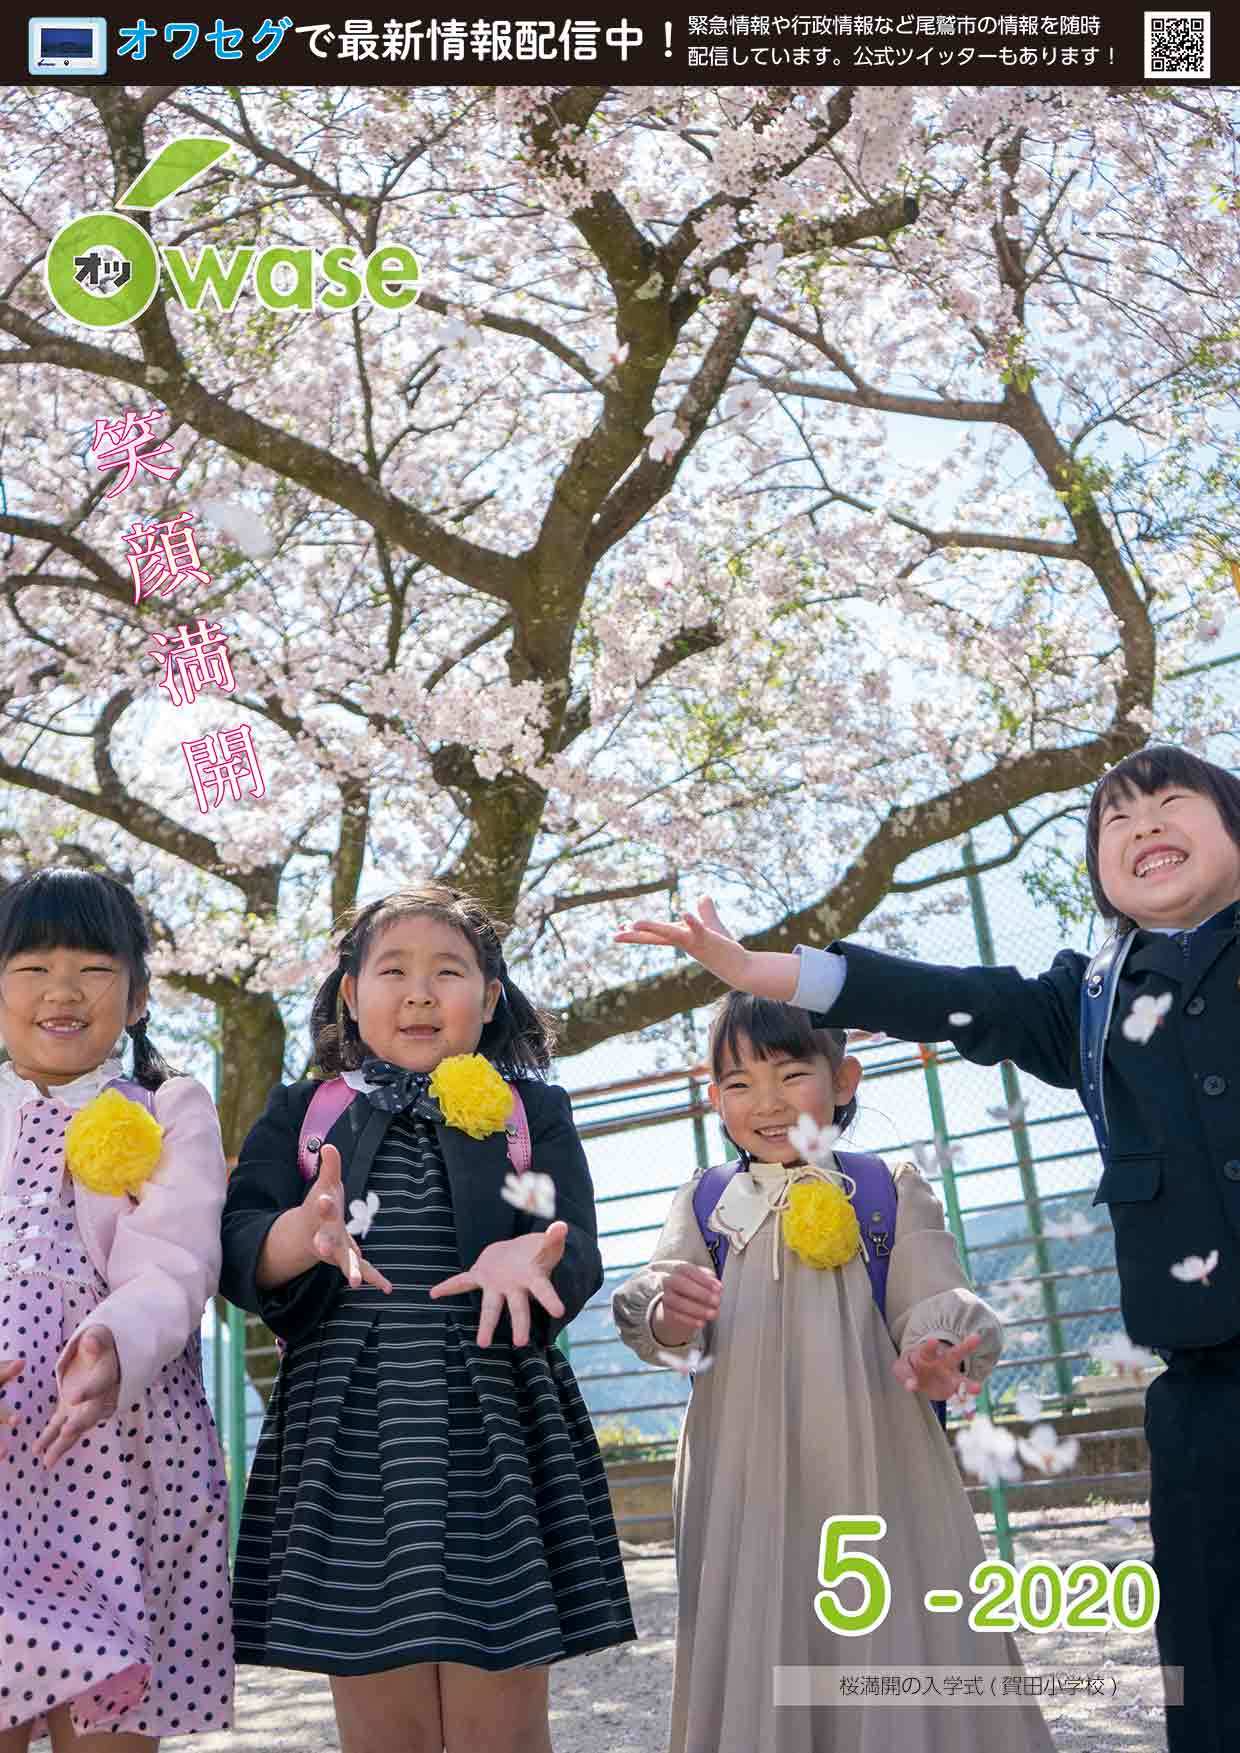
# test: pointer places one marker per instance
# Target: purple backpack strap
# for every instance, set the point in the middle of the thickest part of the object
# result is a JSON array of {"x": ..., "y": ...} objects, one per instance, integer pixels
[
  {"x": 706, "y": 1195},
  {"x": 136, "y": 1092},
  {"x": 333, "y": 1096},
  {"x": 875, "y": 1205}
]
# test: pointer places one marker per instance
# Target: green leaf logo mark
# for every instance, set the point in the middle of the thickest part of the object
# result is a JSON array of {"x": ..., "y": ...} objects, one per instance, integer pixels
[{"x": 173, "y": 169}]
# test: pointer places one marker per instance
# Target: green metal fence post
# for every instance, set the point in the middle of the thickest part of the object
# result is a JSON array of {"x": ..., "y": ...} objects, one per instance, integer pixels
[
  {"x": 236, "y": 1420},
  {"x": 701, "y": 1150},
  {"x": 217, "y": 1363},
  {"x": 951, "y": 1199},
  {"x": 1020, "y": 1137}
]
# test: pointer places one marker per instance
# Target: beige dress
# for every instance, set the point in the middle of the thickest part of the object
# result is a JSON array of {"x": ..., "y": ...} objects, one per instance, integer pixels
[{"x": 799, "y": 1417}]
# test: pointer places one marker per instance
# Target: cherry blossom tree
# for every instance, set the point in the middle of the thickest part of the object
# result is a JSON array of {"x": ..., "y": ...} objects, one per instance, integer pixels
[{"x": 765, "y": 487}]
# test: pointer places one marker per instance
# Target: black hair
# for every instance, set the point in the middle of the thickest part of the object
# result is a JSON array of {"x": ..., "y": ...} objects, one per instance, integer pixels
[
  {"x": 519, "y": 1038},
  {"x": 65, "y": 907},
  {"x": 768, "y": 1028},
  {"x": 1148, "y": 771}
]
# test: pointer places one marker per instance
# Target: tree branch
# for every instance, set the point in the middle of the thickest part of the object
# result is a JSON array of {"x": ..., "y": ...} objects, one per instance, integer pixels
[
  {"x": 106, "y": 582},
  {"x": 1021, "y": 838},
  {"x": 690, "y": 642},
  {"x": 283, "y": 453},
  {"x": 637, "y": 1004}
]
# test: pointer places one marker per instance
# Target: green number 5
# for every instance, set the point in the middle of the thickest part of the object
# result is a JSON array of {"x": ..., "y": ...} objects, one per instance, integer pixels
[{"x": 835, "y": 1564}]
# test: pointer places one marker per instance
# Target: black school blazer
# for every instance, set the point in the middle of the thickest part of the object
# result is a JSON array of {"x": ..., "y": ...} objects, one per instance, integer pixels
[
  {"x": 267, "y": 1182},
  {"x": 1171, "y": 1175}
]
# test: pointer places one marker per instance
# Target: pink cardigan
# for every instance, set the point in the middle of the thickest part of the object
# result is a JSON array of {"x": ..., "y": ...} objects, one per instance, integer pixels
[{"x": 159, "y": 1254}]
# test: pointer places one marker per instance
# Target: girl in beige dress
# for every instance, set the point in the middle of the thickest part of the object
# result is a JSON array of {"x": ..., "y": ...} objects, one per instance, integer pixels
[{"x": 807, "y": 1404}]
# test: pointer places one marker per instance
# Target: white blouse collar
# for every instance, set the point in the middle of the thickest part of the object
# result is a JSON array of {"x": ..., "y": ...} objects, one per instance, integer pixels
[{"x": 16, "y": 1091}]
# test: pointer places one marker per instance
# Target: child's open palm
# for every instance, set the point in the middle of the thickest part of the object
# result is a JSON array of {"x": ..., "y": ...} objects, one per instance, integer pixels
[
  {"x": 89, "y": 1385},
  {"x": 331, "y": 1240},
  {"x": 934, "y": 1368},
  {"x": 701, "y": 935},
  {"x": 511, "y": 1273}
]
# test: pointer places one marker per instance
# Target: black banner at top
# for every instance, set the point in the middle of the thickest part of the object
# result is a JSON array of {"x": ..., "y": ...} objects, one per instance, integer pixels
[{"x": 1117, "y": 45}]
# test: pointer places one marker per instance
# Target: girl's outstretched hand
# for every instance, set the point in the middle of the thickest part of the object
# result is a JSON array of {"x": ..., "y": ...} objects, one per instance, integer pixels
[
  {"x": 511, "y": 1273},
  {"x": 331, "y": 1241},
  {"x": 89, "y": 1384},
  {"x": 689, "y": 1299},
  {"x": 10, "y": 1369},
  {"x": 934, "y": 1367},
  {"x": 701, "y": 935}
]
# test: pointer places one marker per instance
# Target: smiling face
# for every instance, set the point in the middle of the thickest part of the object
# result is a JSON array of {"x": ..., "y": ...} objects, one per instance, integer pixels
[
  {"x": 63, "y": 1010},
  {"x": 761, "y": 1099},
  {"x": 420, "y": 996},
  {"x": 1166, "y": 859}
]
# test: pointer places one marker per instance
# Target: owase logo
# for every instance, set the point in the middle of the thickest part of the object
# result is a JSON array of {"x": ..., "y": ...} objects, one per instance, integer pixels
[{"x": 103, "y": 270}]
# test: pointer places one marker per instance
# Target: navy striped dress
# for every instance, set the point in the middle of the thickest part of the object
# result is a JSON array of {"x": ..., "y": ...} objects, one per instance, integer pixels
[{"x": 414, "y": 1498}]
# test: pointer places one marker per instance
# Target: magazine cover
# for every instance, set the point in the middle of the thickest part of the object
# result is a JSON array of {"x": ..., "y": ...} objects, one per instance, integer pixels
[{"x": 620, "y": 882}]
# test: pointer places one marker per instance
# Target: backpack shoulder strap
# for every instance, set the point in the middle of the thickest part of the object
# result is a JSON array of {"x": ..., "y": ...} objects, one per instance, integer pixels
[
  {"x": 520, "y": 1150},
  {"x": 136, "y": 1092},
  {"x": 327, "y": 1104},
  {"x": 707, "y": 1192},
  {"x": 333, "y": 1096},
  {"x": 875, "y": 1205},
  {"x": 1099, "y": 986}
]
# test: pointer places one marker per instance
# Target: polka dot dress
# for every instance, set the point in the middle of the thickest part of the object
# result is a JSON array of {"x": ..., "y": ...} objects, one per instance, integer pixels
[{"x": 113, "y": 1564}]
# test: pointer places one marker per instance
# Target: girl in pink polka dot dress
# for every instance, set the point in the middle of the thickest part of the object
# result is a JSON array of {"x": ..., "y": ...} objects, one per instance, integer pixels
[{"x": 115, "y": 1626}]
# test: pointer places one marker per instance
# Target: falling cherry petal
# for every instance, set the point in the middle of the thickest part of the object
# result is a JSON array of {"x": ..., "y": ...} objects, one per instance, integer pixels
[
  {"x": 1042, "y": 1449},
  {"x": 987, "y": 1452},
  {"x": 1028, "y": 1405},
  {"x": 530, "y": 1192},
  {"x": 1195, "y": 1270},
  {"x": 692, "y": 1362},
  {"x": 1118, "y": 1351},
  {"x": 1144, "y": 1017},
  {"x": 242, "y": 527},
  {"x": 814, "y": 1142},
  {"x": 362, "y": 1213},
  {"x": 1013, "y": 1113}
]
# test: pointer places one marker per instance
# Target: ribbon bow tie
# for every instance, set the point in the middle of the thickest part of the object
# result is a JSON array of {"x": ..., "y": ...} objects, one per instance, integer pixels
[{"x": 395, "y": 1089}]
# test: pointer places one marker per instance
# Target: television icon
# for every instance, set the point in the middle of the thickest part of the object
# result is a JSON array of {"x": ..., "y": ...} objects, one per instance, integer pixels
[{"x": 60, "y": 47}]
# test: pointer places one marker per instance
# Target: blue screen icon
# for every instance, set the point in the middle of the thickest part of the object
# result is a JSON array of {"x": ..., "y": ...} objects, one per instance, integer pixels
[{"x": 64, "y": 47}]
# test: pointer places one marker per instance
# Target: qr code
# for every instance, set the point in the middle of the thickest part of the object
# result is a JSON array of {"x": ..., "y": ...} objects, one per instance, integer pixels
[{"x": 1177, "y": 45}]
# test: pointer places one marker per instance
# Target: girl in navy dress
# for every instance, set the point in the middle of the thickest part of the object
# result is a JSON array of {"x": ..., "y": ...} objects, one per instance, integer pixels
[{"x": 427, "y": 1518}]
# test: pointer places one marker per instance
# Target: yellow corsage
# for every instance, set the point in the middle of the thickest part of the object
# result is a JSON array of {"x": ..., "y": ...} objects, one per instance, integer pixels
[
  {"x": 471, "y": 1094},
  {"x": 112, "y": 1145},
  {"x": 820, "y": 1225}
]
